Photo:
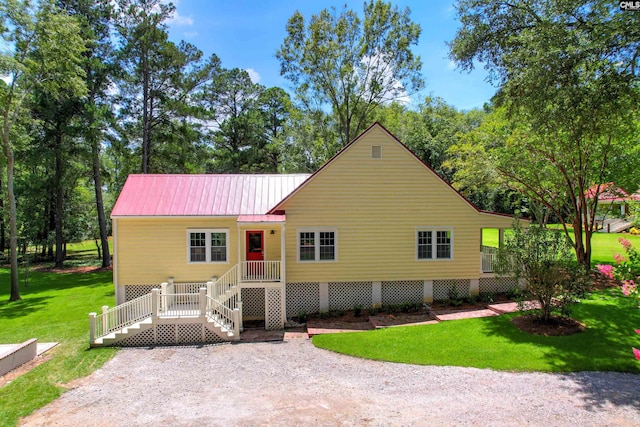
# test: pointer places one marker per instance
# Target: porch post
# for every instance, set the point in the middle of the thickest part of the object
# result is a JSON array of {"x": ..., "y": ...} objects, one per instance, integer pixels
[
  {"x": 155, "y": 299},
  {"x": 239, "y": 244},
  {"x": 92, "y": 327},
  {"x": 283, "y": 273},
  {"x": 202, "y": 301},
  {"x": 500, "y": 237},
  {"x": 236, "y": 324}
]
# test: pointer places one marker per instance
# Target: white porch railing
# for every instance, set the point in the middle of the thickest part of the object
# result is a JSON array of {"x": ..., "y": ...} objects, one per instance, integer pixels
[
  {"x": 225, "y": 289},
  {"x": 124, "y": 315},
  {"x": 180, "y": 305},
  {"x": 489, "y": 255},
  {"x": 260, "y": 271},
  {"x": 229, "y": 318}
]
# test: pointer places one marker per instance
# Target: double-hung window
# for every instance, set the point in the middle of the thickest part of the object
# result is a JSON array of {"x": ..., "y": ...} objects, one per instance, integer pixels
[
  {"x": 207, "y": 246},
  {"x": 317, "y": 245},
  {"x": 434, "y": 244}
]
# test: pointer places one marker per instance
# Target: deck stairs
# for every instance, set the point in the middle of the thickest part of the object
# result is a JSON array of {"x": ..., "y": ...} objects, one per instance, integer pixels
[
  {"x": 215, "y": 308},
  {"x": 214, "y": 324},
  {"x": 115, "y": 337}
]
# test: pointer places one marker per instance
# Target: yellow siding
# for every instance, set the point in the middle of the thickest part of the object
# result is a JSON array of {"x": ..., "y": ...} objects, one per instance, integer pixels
[
  {"x": 376, "y": 206},
  {"x": 150, "y": 250}
]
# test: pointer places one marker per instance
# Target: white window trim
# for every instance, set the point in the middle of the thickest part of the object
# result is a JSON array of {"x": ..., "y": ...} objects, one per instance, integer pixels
[
  {"x": 316, "y": 240},
  {"x": 207, "y": 240},
  {"x": 434, "y": 243}
]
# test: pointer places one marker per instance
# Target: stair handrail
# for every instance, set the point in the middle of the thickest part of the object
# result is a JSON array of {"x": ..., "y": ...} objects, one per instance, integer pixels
[
  {"x": 225, "y": 316},
  {"x": 122, "y": 316},
  {"x": 225, "y": 290}
]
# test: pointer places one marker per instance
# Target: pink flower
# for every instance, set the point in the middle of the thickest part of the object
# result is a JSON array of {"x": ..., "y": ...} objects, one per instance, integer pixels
[
  {"x": 637, "y": 331},
  {"x": 626, "y": 244},
  {"x": 636, "y": 353},
  {"x": 619, "y": 258},
  {"x": 606, "y": 270},
  {"x": 628, "y": 286}
]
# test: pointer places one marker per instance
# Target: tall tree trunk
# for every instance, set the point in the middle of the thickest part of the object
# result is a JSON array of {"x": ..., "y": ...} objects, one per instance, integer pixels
[
  {"x": 13, "y": 227},
  {"x": 3, "y": 242},
  {"x": 51, "y": 215},
  {"x": 102, "y": 223},
  {"x": 146, "y": 128},
  {"x": 59, "y": 202}
]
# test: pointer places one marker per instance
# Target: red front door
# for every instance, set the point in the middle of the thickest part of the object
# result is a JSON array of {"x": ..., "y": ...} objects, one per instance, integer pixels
[
  {"x": 255, "y": 245},
  {"x": 255, "y": 253}
]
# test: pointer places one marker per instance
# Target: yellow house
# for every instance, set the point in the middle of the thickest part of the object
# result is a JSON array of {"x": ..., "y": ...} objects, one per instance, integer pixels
[{"x": 375, "y": 225}]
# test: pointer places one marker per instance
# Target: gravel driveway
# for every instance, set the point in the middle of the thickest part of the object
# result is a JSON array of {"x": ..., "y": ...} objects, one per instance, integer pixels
[{"x": 294, "y": 383}]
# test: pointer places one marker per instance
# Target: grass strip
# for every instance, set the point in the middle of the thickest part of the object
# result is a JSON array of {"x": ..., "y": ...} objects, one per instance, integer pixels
[
  {"x": 495, "y": 343},
  {"x": 54, "y": 307}
]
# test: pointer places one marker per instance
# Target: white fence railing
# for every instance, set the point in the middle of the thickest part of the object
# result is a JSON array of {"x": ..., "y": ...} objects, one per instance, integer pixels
[
  {"x": 260, "y": 271},
  {"x": 119, "y": 317},
  {"x": 180, "y": 305},
  {"x": 226, "y": 317},
  {"x": 489, "y": 255}
]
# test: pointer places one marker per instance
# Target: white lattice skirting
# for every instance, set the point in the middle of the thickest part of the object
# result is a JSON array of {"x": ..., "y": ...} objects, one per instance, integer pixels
[
  {"x": 401, "y": 291},
  {"x": 497, "y": 285},
  {"x": 253, "y": 303},
  {"x": 442, "y": 288},
  {"x": 303, "y": 298},
  {"x": 172, "y": 334},
  {"x": 346, "y": 295}
]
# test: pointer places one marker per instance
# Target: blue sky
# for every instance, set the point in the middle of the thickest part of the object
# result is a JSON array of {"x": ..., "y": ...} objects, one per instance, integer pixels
[{"x": 246, "y": 34}]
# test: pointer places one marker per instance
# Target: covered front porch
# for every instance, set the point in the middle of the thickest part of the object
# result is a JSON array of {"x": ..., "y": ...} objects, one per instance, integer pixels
[{"x": 260, "y": 272}]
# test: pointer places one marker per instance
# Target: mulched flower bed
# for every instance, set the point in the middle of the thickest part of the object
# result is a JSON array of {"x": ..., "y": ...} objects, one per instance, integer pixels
[{"x": 557, "y": 326}]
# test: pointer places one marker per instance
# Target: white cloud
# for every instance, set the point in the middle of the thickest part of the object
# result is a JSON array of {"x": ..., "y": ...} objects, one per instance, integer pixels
[
  {"x": 183, "y": 21},
  {"x": 190, "y": 34},
  {"x": 451, "y": 65},
  {"x": 255, "y": 76},
  {"x": 7, "y": 79}
]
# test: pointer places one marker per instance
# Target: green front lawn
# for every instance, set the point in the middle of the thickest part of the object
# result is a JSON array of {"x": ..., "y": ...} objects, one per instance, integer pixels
[
  {"x": 495, "y": 343},
  {"x": 54, "y": 307}
]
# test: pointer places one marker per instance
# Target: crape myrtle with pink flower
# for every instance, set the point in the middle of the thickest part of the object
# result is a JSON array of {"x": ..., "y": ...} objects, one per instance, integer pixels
[{"x": 627, "y": 271}]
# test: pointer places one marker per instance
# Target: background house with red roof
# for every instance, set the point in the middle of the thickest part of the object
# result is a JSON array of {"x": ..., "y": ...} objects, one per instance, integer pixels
[{"x": 613, "y": 206}]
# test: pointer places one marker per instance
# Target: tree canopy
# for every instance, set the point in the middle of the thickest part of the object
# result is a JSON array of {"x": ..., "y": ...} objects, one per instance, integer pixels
[
  {"x": 568, "y": 75},
  {"x": 350, "y": 64}
]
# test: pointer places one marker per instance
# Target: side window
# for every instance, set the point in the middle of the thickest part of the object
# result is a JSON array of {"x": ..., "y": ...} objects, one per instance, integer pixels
[
  {"x": 207, "y": 246},
  {"x": 425, "y": 250},
  {"x": 434, "y": 244},
  {"x": 218, "y": 246},
  {"x": 317, "y": 245},
  {"x": 197, "y": 247},
  {"x": 307, "y": 248}
]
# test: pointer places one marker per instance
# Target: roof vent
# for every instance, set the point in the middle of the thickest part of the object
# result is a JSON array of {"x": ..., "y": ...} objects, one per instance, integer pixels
[{"x": 376, "y": 151}]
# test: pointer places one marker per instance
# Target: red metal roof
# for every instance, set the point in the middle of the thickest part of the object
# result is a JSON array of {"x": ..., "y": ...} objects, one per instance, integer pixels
[{"x": 203, "y": 195}]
